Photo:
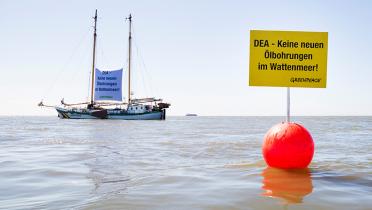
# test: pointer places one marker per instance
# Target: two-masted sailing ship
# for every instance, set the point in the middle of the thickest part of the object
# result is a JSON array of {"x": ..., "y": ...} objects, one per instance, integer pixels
[{"x": 106, "y": 101}]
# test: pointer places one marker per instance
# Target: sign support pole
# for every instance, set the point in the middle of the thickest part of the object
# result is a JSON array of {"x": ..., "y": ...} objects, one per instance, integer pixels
[{"x": 288, "y": 104}]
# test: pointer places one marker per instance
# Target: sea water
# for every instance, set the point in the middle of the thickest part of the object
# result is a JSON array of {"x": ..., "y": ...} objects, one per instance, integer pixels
[{"x": 180, "y": 163}]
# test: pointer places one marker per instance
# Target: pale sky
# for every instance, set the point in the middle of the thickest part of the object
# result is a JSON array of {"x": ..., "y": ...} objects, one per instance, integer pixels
[{"x": 194, "y": 54}]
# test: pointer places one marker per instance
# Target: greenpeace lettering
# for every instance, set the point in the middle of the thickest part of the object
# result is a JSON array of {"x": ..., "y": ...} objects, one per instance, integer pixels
[
  {"x": 288, "y": 59},
  {"x": 108, "y": 85},
  {"x": 310, "y": 80}
]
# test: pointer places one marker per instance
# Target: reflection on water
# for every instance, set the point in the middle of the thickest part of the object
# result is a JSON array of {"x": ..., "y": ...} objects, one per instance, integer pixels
[
  {"x": 289, "y": 185},
  {"x": 47, "y": 163}
]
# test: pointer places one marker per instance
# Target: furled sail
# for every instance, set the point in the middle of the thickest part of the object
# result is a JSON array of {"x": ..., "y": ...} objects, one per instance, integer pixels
[{"x": 107, "y": 85}]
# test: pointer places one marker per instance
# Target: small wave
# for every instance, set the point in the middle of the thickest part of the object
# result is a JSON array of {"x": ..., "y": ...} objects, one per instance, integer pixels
[
  {"x": 115, "y": 180},
  {"x": 260, "y": 163}
]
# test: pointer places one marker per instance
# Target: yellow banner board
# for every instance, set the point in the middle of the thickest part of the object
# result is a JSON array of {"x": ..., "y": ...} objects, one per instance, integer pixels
[{"x": 288, "y": 59}]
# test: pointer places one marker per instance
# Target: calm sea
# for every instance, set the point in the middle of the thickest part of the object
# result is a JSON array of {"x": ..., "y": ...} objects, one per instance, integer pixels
[{"x": 180, "y": 163}]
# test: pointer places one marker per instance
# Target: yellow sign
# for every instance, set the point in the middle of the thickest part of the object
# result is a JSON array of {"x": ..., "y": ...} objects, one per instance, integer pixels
[{"x": 288, "y": 59}]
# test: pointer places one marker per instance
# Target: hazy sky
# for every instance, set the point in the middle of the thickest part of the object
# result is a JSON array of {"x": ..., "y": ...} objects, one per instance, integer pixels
[{"x": 193, "y": 53}]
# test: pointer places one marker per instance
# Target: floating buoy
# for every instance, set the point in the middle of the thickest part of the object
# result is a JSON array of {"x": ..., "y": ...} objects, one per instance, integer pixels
[{"x": 287, "y": 146}]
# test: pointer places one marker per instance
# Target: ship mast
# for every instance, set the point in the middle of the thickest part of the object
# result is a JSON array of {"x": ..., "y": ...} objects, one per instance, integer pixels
[
  {"x": 94, "y": 60},
  {"x": 129, "y": 54}
]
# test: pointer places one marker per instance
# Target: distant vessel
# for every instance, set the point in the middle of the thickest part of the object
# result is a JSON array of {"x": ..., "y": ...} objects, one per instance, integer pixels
[
  {"x": 191, "y": 115},
  {"x": 106, "y": 100}
]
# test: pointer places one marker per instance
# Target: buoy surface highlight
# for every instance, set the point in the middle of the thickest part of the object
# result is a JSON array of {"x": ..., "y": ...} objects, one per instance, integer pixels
[{"x": 288, "y": 146}]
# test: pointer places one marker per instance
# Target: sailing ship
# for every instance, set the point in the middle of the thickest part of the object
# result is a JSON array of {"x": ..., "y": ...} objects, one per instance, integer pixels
[{"x": 106, "y": 95}]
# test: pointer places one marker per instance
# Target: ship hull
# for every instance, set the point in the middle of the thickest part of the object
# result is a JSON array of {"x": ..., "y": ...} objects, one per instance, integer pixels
[{"x": 86, "y": 114}]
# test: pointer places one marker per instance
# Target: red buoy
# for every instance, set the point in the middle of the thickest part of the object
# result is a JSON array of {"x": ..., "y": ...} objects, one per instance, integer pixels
[{"x": 288, "y": 145}]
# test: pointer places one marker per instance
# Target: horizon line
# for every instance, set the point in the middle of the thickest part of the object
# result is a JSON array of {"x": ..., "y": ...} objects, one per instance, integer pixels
[{"x": 368, "y": 115}]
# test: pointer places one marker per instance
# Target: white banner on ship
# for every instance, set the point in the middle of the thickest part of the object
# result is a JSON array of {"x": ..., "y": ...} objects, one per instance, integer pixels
[{"x": 107, "y": 85}]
